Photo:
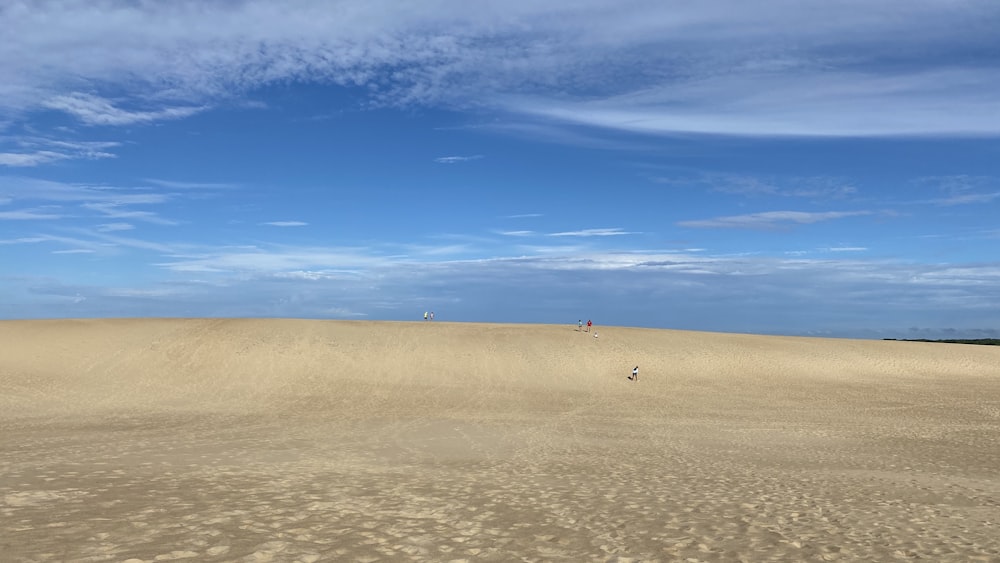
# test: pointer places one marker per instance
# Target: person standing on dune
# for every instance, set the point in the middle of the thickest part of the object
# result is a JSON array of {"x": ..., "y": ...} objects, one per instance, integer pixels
[
  {"x": 635, "y": 374},
  {"x": 589, "y": 324}
]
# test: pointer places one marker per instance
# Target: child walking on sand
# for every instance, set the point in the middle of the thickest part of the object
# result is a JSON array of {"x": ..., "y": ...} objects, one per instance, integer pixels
[{"x": 635, "y": 374}]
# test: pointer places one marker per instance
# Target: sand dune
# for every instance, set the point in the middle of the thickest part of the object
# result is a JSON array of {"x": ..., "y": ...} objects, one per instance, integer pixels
[{"x": 292, "y": 440}]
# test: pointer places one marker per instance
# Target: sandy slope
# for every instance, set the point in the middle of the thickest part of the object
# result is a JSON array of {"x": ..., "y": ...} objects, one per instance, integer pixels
[{"x": 219, "y": 440}]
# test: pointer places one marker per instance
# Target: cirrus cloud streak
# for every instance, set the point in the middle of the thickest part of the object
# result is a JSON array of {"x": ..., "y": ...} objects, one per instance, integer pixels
[{"x": 719, "y": 67}]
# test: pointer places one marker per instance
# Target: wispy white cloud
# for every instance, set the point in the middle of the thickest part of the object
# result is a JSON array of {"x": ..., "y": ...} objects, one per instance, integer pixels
[
  {"x": 770, "y": 219},
  {"x": 532, "y": 250},
  {"x": 752, "y": 185},
  {"x": 95, "y": 110},
  {"x": 275, "y": 259},
  {"x": 190, "y": 185},
  {"x": 568, "y": 134},
  {"x": 86, "y": 242},
  {"x": 29, "y": 215},
  {"x": 87, "y": 200},
  {"x": 813, "y": 68},
  {"x": 316, "y": 275},
  {"x": 617, "y": 231},
  {"x": 285, "y": 223},
  {"x": 967, "y": 199},
  {"x": 111, "y": 227},
  {"x": 35, "y": 151},
  {"x": 813, "y": 103},
  {"x": 960, "y": 189},
  {"x": 29, "y": 159},
  {"x": 424, "y": 250},
  {"x": 23, "y": 240},
  {"x": 20, "y": 188},
  {"x": 81, "y": 149},
  {"x": 957, "y": 275},
  {"x": 457, "y": 159},
  {"x": 516, "y": 233},
  {"x": 141, "y": 293},
  {"x": 117, "y": 210},
  {"x": 825, "y": 250},
  {"x": 105, "y": 240},
  {"x": 523, "y": 216},
  {"x": 68, "y": 244}
]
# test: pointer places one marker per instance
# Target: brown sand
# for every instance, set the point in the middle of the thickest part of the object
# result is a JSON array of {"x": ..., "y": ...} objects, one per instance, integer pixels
[{"x": 260, "y": 440}]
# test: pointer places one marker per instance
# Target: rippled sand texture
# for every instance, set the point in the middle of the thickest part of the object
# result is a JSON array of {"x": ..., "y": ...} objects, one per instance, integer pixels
[{"x": 275, "y": 440}]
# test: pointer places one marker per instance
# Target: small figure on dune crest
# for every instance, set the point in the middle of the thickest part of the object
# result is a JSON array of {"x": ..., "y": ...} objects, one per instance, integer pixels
[
  {"x": 589, "y": 324},
  {"x": 432, "y": 315},
  {"x": 579, "y": 325},
  {"x": 635, "y": 374},
  {"x": 425, "y": 315}
]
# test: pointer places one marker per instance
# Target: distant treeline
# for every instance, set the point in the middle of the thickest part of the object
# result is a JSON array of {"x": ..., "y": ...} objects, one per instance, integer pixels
[{"x": 985, "y": 341}]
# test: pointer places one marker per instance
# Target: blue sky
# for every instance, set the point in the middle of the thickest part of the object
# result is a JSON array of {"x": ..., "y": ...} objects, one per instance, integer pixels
[{"x": 824, "y": 168}]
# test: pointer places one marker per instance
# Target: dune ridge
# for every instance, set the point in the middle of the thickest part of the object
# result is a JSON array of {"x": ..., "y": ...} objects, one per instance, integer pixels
[{"x": 273, "y": 439}]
